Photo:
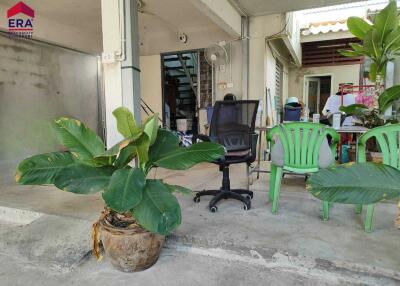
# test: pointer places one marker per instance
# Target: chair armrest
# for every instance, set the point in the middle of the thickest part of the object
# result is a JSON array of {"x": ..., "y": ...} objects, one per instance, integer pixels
[
  {"x": 254, "y": 140},
  {"x": 335, "y": 139}
]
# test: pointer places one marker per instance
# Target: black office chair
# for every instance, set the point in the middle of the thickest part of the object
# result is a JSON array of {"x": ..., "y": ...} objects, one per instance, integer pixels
[{"x": 232, "y": 125}]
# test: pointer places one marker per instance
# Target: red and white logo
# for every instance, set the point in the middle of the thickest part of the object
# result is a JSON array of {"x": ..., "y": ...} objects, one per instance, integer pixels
[{"x": 20, "y": 20}]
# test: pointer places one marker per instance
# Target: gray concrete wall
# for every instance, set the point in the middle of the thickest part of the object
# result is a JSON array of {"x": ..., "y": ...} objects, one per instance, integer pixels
[{"x": 38, "y": 83}]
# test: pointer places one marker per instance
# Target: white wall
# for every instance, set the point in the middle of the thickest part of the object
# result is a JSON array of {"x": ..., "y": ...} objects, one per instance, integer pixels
[
  {"x": 397, "y": 71},
  {"x": 237, "y": 72},
  {"x": 340, "y": 74},
  {"x": 51, "y": 31},
  {"x": 150, "y": 83},
  {"x": 262, "y": 62}
]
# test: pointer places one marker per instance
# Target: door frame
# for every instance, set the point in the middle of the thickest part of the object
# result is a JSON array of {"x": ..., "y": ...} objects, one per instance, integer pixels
[
  {"x": 305, "y": 96},
  {"x": 162, "y": 55}
]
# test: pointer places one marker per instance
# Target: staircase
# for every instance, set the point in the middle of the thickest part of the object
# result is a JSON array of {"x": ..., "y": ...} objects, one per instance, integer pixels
[{"x": 180, "y": 74}]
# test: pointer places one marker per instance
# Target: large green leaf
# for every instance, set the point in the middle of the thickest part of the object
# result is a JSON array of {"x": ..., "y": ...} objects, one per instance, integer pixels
[
  {"x": 358, "y": 27},
  {"x": 151, "y": 127},
  {"x": 350, "y": 53},
  {"x": 42, "y": 169},
  {"x": 373, "y": 45},
  {"x": 165, "y": 142},
  {"x": 184, "y": 158},
  {"x": 178, "y": 189},
  {"x": 80, "y": 140},
  {"x": 159, "y": 210},
  {"x": 363, "y": 183},
  {"x": 386, "y": 20},
  {"x": 125, "y": 156},
  {"x": 125, "y": 189},
  {"x": 393, "y": 41},
  {"x": 83, "y": 179},
  {"x": 126, "y": 123},
  {"x": 357, "y": 47},
  {"x": 353, "y": 109},
  {"x": 373, "y": 72},
  {"x": 388, "y": 97},
  {"x": 142, "y": 145}
]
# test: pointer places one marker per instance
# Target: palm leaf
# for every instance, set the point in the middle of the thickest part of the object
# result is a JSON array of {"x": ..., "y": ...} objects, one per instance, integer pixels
[
  {"x": 362, "y": 183},
  {"x": 42, "y": 169},
  {"x": 125, "y": 189},
  {"x": 80, "y": 140},
  {"x": 83, "y": 179},
  {"x": 358, "y": 27},
  {"x": 150, "y": 127},
  {"x": 126, "y": 123},
  {"x": 388, "y": 97},
  {"x": 185, "y": 158},
  {"x": 386, "y": 20},
  {"x": 159, "y": 210}
]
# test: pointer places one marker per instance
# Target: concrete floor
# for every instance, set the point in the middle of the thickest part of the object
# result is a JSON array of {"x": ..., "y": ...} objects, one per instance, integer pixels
[{"x": 45, "y": 234}]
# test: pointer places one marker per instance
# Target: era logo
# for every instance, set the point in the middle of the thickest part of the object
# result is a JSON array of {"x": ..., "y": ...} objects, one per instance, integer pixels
[
  {"x": 20, "y": 20},
  {"x": 20, "y": 23}
]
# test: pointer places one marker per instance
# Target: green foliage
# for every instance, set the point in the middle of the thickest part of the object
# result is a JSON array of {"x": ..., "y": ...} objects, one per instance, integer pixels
[
  {"x": 178, "y": 189},
  {"x": 353, "y": 109},
  {"x": 88, "y": 168},
  {"x": 185, "y": 158},
  {"x": 42, "y": 169},
  {"x": 380, "y": 43},
  {"x": 159, "y": 210},
  {"x": 358, "y": 27},
  {"x": 362, "y": 183},
  {"x": 126, "y": 123},
  {"x": 388, "y": 97},
  {"x": 80, "y": 140},
  {"x": 83, "y": 179},
  {"x": 125, "y": 190}
]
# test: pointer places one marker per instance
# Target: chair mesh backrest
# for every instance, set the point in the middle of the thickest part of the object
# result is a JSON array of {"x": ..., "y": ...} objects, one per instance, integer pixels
[
  {"x": 301, "y": 142},
  {"x": 232, "y": 123},
  {"x": 388, "y": 138}
]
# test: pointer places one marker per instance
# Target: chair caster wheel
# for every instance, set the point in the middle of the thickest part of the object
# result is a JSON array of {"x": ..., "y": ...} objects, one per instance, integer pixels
[
  {"x": 249, "y": 197},
  {"x": 196, "y": 199},
  {"x": 213, "y": 209},
  {"x": 246, "y": 207}
]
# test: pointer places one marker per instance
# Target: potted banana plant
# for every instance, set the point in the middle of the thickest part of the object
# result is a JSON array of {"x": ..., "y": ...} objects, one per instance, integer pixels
[{"x": 139, "y": 211}]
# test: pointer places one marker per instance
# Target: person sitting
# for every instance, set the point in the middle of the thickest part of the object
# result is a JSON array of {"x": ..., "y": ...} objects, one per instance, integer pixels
[{"x": 343, "y": 97}]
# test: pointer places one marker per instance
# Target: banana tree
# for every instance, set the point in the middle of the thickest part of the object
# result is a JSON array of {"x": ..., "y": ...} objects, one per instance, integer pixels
[
  {"x": 380, "y": 43},
  {"x": 87, "y": 168}
]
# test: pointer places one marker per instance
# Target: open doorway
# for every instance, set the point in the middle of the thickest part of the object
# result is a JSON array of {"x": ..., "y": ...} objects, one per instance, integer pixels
[
  {"x": 317, "y": 90},
  {"x": 180, "y": 72}
]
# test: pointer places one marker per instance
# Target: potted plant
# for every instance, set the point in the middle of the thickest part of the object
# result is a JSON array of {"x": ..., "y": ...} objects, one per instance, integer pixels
[{"x": 139, "y": 211}]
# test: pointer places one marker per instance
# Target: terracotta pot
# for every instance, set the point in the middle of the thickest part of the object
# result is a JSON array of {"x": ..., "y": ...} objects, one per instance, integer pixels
[{"x": 130, "y": 250}]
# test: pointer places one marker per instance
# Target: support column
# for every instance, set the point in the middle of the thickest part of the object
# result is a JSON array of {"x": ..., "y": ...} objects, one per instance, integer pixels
[
  {"x": 121, "y": 74},
  {"x": 130, "y": 66},
  {"x": 245, "y": 56}
]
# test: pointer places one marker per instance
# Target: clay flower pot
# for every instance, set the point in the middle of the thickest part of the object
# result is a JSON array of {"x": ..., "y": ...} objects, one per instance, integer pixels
[{"x": 132, "y": 249}]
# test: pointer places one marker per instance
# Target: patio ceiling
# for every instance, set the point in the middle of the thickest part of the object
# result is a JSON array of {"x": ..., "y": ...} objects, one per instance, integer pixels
[
  {"x": 265, "y": 7},
  {"x": 159, "y": 24}
]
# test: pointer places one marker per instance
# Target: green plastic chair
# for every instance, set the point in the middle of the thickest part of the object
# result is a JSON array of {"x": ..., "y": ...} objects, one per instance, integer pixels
[
  {"x": 388, "y": 138},
  {"x": 301, "y": 153}
]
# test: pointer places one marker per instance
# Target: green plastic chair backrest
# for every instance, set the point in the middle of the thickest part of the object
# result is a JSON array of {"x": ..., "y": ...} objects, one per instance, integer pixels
[
  {"x": 301, "y": 143},
  {"x": 388, "y": 138}
]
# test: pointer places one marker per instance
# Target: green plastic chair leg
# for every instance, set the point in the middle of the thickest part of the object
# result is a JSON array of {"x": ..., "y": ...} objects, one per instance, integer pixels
[
  {"x": 277, "y": 187},
  {"x": 325, "y": 210},
  {"x": 358, "y": 209},
  {"x": 369, "y": 217},
  {"x": 272, "y": 180}
]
